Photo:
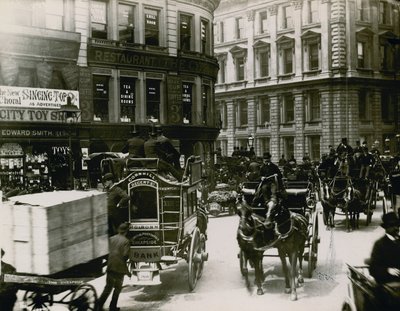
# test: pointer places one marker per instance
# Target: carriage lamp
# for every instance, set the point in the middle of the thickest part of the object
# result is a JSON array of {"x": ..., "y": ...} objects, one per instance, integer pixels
[
  {"x": 70, "y": 114},
  {"x": 250, "y": 140}
]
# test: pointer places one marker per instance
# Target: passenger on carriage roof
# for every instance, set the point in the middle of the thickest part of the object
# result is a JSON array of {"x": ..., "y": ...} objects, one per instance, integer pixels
[
  {"x": 344, "y": 148},
  {"x": 134, "y": 145}
]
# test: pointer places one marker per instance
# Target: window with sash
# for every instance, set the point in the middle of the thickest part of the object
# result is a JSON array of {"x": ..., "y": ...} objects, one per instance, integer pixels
[
  {"x": 239, "y": 28},
  {"x": 264, "y": 112},
  {"x": 313, "y": 11},
  {"x": 287, "y": 108},
  {"x": 313, "y": 106},
  {"x": 388, "y": 104},
  {"x": 153, "y": 100},
  {"x": 151, "y": 27},
  {"x": 187, "y": 102},
  {"x": 364, "y": 105},
  {"x": 205, "y": 37},
  {"x": 98, "y": 18},
  {"x": 185, "y": 29},
  {"x": 55, "y": 14},
  {"x": 263, "y": 22},
  {"x": 242, "y": 113},
  {"x": 362, "y": 7},
  {"x": 126, "y": 22},
  {"x": 287, "y": 17}
]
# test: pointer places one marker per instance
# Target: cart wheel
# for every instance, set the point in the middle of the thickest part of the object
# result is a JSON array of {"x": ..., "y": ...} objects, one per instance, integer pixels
[
  {"x": 195, "y": 259},
  {"x": 203, "y": 250},
  {"x": 371, "y": 201},
  {"x": 83, "y": 298},
  {"x": 37, "y": 301},
  {"x": 313, "y": 248},
  {"x": 384, "y": 205},
  {"x": 243, "y": 263}
]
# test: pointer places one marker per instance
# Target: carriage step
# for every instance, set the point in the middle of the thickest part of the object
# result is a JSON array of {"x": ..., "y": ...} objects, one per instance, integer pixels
[{"x": 169, "y": 259}]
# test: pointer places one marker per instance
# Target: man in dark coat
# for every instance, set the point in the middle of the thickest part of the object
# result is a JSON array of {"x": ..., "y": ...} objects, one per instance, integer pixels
[
  {"x": 385, "y": 263},
  {"x": 8, "y": 291},
  {"x": 268, "y": 168},
  {"x": 116, "y": 267},
  {"x": 166, "y": 150},
  {"x": 135, "y": 145},
  {"x": 117, "y": 204}
]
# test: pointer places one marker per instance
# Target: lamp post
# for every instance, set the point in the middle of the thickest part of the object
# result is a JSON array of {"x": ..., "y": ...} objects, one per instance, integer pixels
[
  {"x": 70, "y": 115},
  {"x": 398, "y": 143}
]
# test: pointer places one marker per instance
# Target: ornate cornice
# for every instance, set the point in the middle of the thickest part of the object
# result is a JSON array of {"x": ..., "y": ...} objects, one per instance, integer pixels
[
  {"x": 250, "y": 15},
  {"x": 211, "y": 5},
  {"x": 273, "y": 10},
  {"x": 297, "y": 4}
]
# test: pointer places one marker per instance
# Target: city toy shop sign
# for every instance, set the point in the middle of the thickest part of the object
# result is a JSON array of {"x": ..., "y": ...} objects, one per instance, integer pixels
[{"x": 34, "y": 104}]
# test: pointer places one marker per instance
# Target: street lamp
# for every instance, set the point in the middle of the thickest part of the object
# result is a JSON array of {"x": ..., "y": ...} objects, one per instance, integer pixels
[
  {"x": 250, "y": 141},
  {"x": 70, "y": 115}
]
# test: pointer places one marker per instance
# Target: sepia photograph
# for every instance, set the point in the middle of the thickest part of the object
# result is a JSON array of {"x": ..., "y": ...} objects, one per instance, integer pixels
[{"x": 200, "y": 155}]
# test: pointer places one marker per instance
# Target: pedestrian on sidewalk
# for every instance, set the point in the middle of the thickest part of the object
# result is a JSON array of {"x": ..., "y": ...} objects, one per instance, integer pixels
[{"x": 116, "y": 267}]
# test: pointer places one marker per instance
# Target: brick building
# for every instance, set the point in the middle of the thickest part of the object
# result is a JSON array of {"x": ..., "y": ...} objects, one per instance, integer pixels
[{"x": 299, "y": 75}]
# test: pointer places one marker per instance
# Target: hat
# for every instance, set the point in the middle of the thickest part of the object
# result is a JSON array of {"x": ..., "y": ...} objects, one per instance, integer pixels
[
  {"x": 389, "y": 220},
  {"x": 364, "y": 142},
  {"x": 108, "y": 176},
  {"x": 344, "y": 139},
  {"x": 123, "y": 228},
  {"x": 267, "y": 155}
]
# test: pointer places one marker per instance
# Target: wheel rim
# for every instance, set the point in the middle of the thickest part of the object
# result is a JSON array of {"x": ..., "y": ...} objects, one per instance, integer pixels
[
  {"x": 194, "y": 259},
  {"x": 83, "y": 298},
  {"x": 202, "y": 249}
]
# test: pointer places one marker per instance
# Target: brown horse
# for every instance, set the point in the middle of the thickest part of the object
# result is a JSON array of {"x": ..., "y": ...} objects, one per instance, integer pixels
[{"x": 282, "y": 229}]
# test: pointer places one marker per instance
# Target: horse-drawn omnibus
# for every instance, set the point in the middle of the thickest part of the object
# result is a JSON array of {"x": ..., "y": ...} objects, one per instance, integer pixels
[{"x": 166, "y": 220}]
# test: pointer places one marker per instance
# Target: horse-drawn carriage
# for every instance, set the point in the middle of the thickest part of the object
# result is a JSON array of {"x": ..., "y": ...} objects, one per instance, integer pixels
[
  {"x": 291, "y": 226},
  {"x": 362, "y": 292},
  {"x": 166, "y": 220},
  {"x": 345, "y": 191}
]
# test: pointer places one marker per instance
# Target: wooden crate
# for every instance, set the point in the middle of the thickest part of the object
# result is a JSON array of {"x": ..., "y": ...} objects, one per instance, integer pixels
[{"x": 45, "y": 233}]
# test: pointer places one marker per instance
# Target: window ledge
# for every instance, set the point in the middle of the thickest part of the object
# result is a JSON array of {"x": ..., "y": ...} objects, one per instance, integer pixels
[
  {"x": 365, "y": 70},
  {"x": 288, "y": 124},
  {"x": 311, "y": 25},
  {"x": 313, "y": 122},
  {"x": 263, "y": 79},
  {"x": 286, "y": 76},
  {"x": 311, "y": 73}
]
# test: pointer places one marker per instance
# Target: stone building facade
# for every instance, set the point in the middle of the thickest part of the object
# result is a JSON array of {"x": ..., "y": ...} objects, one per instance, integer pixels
[{"x": 298, "y": 76}]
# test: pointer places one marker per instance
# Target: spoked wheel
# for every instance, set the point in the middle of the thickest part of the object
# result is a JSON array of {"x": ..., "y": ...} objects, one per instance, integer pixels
[
  {"x": 197, "y": 256},
  {"x": 370, "y": 206},
  {"x": 313, "y": 248},
  {"x": 203, "y": 250},
  {"x": 384, "y": 205},
  {"x": 37, "y": 301},
  {"x": 83, "y": 298}
]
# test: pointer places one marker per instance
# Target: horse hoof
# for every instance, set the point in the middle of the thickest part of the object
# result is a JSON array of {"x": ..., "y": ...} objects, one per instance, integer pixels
[
  {"x": 293, "y": 297},
  {"x": 301, "y": 279},
  {"x": 260, "y": 291},
  {"x": 288, "y": 290}
]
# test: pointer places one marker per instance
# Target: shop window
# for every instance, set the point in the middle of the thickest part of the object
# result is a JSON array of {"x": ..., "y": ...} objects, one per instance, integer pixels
[
  {"x": 362, "y": 7},
  {"x": 100, "y": 98},
  {"x": 388, "y": 105},
  {"x": 206, "y": 94},
  {"x": 264, "y": 112},
  {"x": 187, "y": 100},
  {"x": 152, "y": 27},
  {"x": 313, "y": 106},
  {"x": 364, "y": 106},
  {"x": 185, "y": 32},
  {"x": 263, "y": 22},
  {"x": 287, "y": 17},
  {"x": 287, "y": 108},
  {"x": 239, "y": 28},
  {"x": 153, "y": 100},
  {"x": 384, "y": 13},
  {"x": 314, "y": 147},
  {"x": 127, "y": 99},
  {"x": 55, "y": 14},
  {"x": 98, "y": 17},
  {"x": 313, "y": 11},
  {"x": 205, "y": 37},
  {"x": 242, "y": 116},
  {"x": 126, "y": 22}
]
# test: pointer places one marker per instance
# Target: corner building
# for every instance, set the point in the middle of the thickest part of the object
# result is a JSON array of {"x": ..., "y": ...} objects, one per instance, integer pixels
[
  {"x": 300, "y": 75},
  {"x": 123, "y": 63}
]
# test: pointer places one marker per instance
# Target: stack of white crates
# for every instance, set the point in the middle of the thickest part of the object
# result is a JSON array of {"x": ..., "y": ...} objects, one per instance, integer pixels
[{"x": 49, "y": 232}]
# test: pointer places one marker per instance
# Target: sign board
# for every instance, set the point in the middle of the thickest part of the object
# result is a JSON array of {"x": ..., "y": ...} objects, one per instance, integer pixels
[
  {"x": 174, "y": 89},
  {"x": 34, "y": 104}
]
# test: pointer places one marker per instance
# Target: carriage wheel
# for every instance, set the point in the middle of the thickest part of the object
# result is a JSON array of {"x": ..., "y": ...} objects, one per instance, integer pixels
[
  {"x": 203, "y": 249},
  {"x": 313, "y": 248},
  {"x": 371, "y": 201},
  {"x": 384, "y": 205},
  {"x": 195, "y": 259},
  {"x": 243, "y": 263},
  {"x": 83, "y": 298},
  {"x": 37, "y": 301}
]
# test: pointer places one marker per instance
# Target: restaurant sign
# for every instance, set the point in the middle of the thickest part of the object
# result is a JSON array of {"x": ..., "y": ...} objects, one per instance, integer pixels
[{"x": 34, "y": 104}]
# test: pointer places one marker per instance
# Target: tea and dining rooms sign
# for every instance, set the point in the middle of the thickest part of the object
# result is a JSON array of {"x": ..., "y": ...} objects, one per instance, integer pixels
[{"x": 34, "y": 104}]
